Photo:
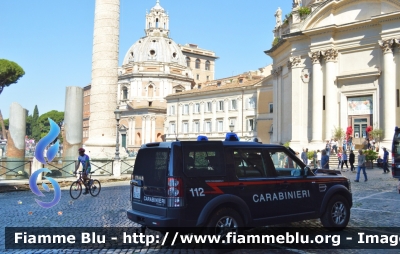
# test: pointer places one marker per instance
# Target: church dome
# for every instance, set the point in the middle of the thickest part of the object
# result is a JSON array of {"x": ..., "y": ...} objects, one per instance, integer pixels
[{"x": 158, "y": 49}]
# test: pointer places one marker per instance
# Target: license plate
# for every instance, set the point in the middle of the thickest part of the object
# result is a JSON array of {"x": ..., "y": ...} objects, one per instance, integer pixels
[{"x": 136, "y": 192}]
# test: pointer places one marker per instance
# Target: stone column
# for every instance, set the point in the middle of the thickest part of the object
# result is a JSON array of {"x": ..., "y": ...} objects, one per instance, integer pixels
[
  {"x": 153, "y": 129},
  {"x": 16, "y": 142},
  {"x": 103, "y": 98},
  {"x": 72, "y": 125},
  {"x": 148, "y": 129},
  {"x": 317, "y": 97},
  {"x": 299, "y": 107},
  {"x": 331, "y": 102},
  {"x": 277, "y": 114},
  {"x": 132, "y": 130},
  {"x": 143, "y": 130},
  {"x": 389, "y": 91},
  {"x": 397, "y": 63}
]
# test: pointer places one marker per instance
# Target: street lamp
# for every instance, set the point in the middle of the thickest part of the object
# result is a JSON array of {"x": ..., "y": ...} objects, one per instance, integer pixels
[
  {"x": 231, "y": 127},
  {"x": 117, "y": 113}
]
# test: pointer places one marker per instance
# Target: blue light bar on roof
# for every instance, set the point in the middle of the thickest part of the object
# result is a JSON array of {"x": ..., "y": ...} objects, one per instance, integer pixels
[
  {"x": 202, "y": 138},
  {"x": 230, "y": 136}
]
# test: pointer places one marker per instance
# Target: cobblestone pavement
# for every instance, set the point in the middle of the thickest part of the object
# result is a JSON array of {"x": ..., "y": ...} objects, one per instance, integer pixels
[{"x": 375, "y": 203}]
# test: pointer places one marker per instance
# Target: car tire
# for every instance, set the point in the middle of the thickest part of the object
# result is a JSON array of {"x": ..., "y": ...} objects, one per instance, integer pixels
[
  {"x": 337, "y": 213},
  {"x": 223, "y": 221}
]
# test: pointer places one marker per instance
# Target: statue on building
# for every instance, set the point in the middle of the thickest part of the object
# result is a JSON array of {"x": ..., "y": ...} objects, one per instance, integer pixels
[
  {"x": 278, "y": 17},
  {"x": 296, "y": 4}
]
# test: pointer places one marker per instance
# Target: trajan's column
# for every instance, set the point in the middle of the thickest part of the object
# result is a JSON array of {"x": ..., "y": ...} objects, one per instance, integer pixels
[{"x": 103, "y": 98}]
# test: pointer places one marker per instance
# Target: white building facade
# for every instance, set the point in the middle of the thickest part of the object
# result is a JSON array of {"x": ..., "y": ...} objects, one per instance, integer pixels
[
  {"x": 336, "y": 67},
  {"x": 216, "y": 108}
]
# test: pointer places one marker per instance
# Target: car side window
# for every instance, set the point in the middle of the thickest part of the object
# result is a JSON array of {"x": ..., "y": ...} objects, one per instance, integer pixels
[
  {"x": 203, "y": 161},
  {"x": 249, "y": 163},
  {"x": 284, "y": 163}
]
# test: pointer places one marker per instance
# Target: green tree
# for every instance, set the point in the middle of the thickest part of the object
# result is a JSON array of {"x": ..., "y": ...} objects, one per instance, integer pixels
[
  {"x": 5, "y": 123},
  {"x": 35, "y": 129},
  {"x": 377, "y": 134},
  {"x": 28, "y": 124},
  {"x": 10, "y": 72},
  {"x": 338, "y": 134},
  {"x": 44, "y": 124}
]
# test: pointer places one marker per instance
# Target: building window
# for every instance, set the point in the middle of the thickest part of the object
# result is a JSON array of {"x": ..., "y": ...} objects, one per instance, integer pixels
[
  {"x": 185, "y": 127},
  {"x": 197, "y": 76},
  {"x": 188, "y": 61},
  {"x": 197, "y": 63},
  {"x": 233, "y": 105},
  {"x": 240, "y": 81},
  {"x": 186, "y": 109},
  {"x": 208, "y": 78},
  {"x": 196, "y": 108},
  {"x": 199, "y": 86},
  {"x": 271, "y": 108},
  {"x": 221, "y": 106},
  {"x": 218, "y": 83},
  {"x": 250, "y": 124},
  {"x": 208, "y": 107},
  {"x": 172, "y": 128},
  {"x": 220, "y": 125},
  {"x": 196, "y": 127},
  {"x": 207, "y": 127},
  {"x": 125, "y": 93},
  {"x": 251, "y": 104},
  {"x": 172, "y": 110},
  {"x": 207, "y": 65}
]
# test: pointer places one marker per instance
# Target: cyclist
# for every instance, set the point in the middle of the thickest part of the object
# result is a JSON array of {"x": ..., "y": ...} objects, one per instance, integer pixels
[{"x": 85, "y": 161}]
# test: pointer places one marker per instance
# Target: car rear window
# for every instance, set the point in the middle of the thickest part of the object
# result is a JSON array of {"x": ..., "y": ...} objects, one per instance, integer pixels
[{"x": 152, "y": 165}]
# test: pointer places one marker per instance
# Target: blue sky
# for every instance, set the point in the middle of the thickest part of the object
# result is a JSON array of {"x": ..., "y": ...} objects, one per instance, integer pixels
[{"x": 52, "y": 40}]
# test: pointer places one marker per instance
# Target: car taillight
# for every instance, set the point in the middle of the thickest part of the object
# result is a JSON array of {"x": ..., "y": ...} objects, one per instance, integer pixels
[
  {"x": 175, "y": 192},
  {"x": 393, "y": 162}
]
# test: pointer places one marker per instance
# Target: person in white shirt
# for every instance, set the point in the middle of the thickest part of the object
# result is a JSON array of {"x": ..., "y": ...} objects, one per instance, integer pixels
[{"x": 318, "y": 158}]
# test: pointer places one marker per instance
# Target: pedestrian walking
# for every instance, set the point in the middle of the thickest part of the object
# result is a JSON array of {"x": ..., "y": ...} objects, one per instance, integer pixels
[
  {"x": 350, "y": 143},
  {"x": 385, "y": 161},
  {"x": 324, "y": 160},
  {"x": 339, "y": 156},
  {"x": 315, "y": 159},
  {"x": 304, "y": 156},
  {"x": 352, "y": 160},
  {"x": 319, "y": 158},
  {"x": 328, "y": 148},
  {"x": 344, "y": 160},
  {"x": 361, "y": 166}
]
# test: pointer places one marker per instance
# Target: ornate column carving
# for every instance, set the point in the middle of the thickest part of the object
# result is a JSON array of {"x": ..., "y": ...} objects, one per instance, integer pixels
[
  {"x": 143, "y": 133},
  {"x": 153, "y": 128},
  {"x": 276, "y": 72},
  {"x": 331, "y": 109},
  {"x": 294, "y": 61},
  {"x": 389, "y": 90},
  {"x": 317, "y": 95}
]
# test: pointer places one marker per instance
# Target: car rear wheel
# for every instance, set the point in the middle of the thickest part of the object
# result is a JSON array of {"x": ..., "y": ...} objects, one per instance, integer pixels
[
  {"x": 223, "y": 221},
  {"x": 337, "y": 213}
]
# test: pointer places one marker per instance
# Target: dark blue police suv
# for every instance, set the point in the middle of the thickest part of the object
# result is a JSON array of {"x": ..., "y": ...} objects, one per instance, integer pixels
[{"x": 232, "y": 184}]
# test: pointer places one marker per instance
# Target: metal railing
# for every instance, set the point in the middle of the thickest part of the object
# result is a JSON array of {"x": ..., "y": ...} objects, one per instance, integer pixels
[
  {"x": 127, "y": 168},
  {"x": 15, "y": 169},
  {"x": 102, "y": 167}
]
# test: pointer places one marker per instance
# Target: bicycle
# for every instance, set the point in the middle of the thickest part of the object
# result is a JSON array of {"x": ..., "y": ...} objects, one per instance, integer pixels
[{"x": 76, "y": 187}]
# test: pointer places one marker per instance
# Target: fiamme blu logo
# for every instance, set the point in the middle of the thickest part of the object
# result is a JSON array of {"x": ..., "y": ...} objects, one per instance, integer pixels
[{"x": 39, "y": 155}]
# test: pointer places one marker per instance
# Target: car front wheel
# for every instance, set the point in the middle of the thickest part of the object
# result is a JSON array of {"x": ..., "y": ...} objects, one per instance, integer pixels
[{"x": 337, "y": 213}]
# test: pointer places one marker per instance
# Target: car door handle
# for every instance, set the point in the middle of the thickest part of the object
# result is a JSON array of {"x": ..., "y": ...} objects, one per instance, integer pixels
[
  {"x": 241, "y": 186},
  {"x": 284, "y": 185}
]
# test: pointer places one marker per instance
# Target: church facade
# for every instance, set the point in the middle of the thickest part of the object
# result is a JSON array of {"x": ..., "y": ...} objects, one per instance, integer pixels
[
  {"x": 336, "y": 64},
  {"x": 153, "y": 68}
]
